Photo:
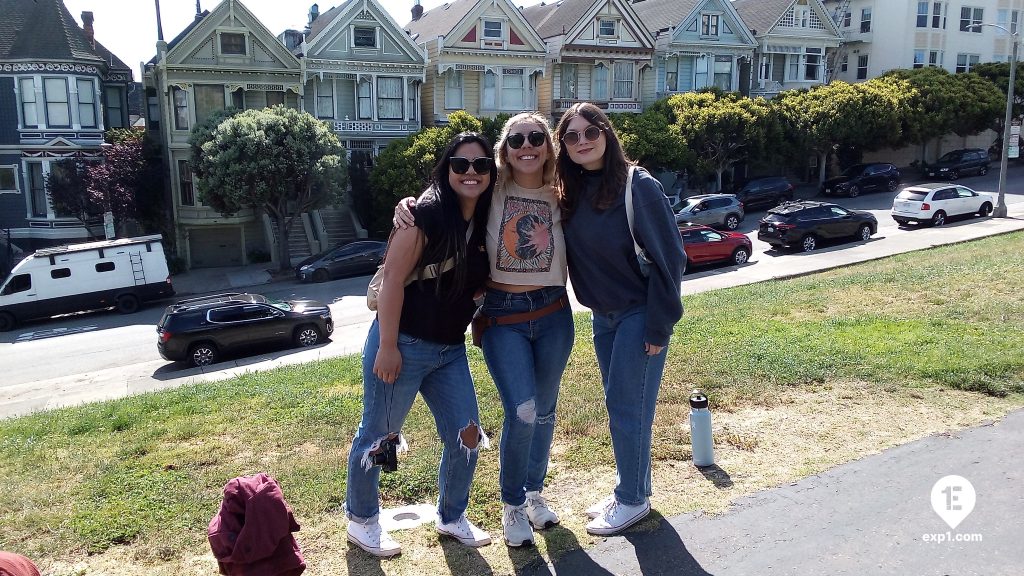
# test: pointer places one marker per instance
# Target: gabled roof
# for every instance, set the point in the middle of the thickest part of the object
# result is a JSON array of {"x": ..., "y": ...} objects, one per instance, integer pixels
[
  {"x": 761, "y": 15},
  {"x": 45, "y": 30},
  {"x": 181, "y": 35},
  {"x": 661, "y": 14},
  {"x": 346, "y": 13},
  {"x": 440, "y": 21},
  {"x": 557, "y": 17}
]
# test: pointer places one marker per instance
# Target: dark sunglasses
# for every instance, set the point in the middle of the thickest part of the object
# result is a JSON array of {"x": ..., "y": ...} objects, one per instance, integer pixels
[
  {"x": 481, "y": 165},
  {"x": 536, "y": 138},
  {"x": 572, "y": 137}
]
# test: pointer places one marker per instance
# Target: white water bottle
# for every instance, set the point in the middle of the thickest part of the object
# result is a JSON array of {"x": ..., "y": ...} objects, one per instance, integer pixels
[{"x": 700, "y": 430}]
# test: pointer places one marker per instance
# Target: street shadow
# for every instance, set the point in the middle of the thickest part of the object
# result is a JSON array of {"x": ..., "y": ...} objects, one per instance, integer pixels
[
  {"x": 253, "y": 355},
  {"x": 569, "y": 559},
  {"x": 661, "y": 551},
  {"x": 362, "y": 562},
  {"x": 527, "y": 561},
  {"x": 462, "y": 560},
  {"x": 719, "y": 477}
]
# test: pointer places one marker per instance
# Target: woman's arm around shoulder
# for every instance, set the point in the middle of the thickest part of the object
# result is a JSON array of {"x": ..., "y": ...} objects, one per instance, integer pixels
[{"x": 403, "y": 253}]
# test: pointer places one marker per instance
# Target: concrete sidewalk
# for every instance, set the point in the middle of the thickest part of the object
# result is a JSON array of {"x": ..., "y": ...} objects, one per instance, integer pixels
[
  {"x": 229, "y": 278},
  {"x": 871, "y": 516}
]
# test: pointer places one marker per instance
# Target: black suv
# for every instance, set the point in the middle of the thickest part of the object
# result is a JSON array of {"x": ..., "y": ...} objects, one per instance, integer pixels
[
  {"x": 770, "y": 191},
  {"x": 956, "y": 163},
  {"x": 863, "y": 178},
  {"x": 200, "y": 330},
  {"x": 805, "y": 223}
]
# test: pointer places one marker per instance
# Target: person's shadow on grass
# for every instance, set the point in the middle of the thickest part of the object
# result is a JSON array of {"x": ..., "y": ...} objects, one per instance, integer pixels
[
  {"x": 362, "y": 563},
  {"x": 462, "y": 560}
]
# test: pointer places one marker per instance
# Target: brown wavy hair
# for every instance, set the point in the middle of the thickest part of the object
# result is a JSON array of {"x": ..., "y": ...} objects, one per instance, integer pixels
[{"x": 569, "y": 175}]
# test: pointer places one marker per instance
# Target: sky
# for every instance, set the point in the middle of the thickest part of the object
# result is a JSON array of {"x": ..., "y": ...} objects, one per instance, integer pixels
[{"x": 128, "y": 27}]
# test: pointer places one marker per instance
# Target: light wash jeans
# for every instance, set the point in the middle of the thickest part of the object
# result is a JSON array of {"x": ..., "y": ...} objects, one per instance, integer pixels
[
  {"x": 631, "y": 380},
  {"x": 441, "y": 373},
  {"x": 526, "y": 361}
]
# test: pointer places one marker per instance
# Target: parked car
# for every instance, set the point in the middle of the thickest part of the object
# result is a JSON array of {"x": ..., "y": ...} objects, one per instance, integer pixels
[
  {"x": 349, "y": 259},
  {"x": 201, "y": 330},
  {"x": 719, "y": 210},
  {"x": 805, "y": 223},
  {"x": 863, "y": 178},
  {"x": 956, "y": 163},
  {"x": 704, "y": 245},
  {"x": 770, "y": 191},
  {"x": 935, "y": 203}
]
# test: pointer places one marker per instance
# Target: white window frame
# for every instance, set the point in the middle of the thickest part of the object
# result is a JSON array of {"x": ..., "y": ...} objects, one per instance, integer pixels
[
  {"x": 863, "y": 63},
  {"x": 600, "y": 91},
  {"x": 865, "y": 20},
  {"x": 920, "y": 58},
  {"x": 237, "y": 32},
  {"x": 372, "y": 29},
  {"x": 90, "y": 89},
  {"x": 488, "y": 34},
  {"x": 26, "y": 104},
  {"x": 939, "y": 10},
  {"x": 672, "y": 74},
  {"x": 701, "y": 72},
  {"x": 710, "y": 24},
  {"x": 965, "y": 62},
  {"x": 975, "y": 15},
  {"x": 322, "y": 96},
  {"x": 381, "y": 99},
  {"x": 935, "y": 58},
  {"x": 569, "y": 83},
  {"x": 454, "y": 86},
  {"x": 185, "y": 176},
  {"x": 183, "y": 107},
  {"x": 720, "y": 59},
  {"x": 364, "y": 99},
  {"x": 925, "y": 15},
  {"x": 1008, "y": 19},
  {"x": 66, "y": 101},
  {"x": 602, "y": 33},
  {"x": 14, "y": 177},
  {"x": 108, "y": 109},
  {"x": 623, "y": 81},
  {"x": 504, "y": 86}
]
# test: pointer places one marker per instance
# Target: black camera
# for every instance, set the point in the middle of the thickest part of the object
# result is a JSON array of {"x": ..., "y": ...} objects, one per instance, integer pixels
[{"x": 387, "y": 457}]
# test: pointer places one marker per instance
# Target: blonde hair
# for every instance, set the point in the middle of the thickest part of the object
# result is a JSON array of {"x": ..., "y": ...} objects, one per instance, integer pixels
[{"x": 501, "y": 151}]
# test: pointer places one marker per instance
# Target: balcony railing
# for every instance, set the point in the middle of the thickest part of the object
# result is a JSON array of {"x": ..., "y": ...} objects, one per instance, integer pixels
[
  {"x": 375, "y": 127},
  {"x": 563, "y": 104}
]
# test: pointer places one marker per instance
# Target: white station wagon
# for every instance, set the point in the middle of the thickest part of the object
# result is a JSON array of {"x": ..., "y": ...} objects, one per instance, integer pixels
[{"x": 936, "y": 203}]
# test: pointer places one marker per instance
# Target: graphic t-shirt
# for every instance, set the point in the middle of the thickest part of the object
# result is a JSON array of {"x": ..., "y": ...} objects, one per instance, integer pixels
[{"x": 524, "y": 236}]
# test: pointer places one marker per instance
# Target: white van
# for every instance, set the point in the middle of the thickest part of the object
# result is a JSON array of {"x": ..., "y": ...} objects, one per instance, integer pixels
[{"x": 77, "y": 277}]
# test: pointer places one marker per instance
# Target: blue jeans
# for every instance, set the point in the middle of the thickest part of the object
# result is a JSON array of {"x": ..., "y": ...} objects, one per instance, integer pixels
[
  {"x": 631, "y": 380},
  {"x": 441, "y": 373},
  {"x": 526, "y": 361}
]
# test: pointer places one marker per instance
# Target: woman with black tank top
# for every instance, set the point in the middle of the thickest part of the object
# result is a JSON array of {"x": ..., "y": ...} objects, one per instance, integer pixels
[{"x": 417, "y": 345}]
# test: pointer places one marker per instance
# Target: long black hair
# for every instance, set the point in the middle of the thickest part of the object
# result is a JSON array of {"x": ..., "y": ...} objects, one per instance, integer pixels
[
  {"x": 571, "y": 180},
  {"x": 439, "y": 214}
]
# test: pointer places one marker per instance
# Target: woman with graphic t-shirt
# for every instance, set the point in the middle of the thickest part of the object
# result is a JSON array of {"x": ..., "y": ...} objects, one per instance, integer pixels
[{"x": 531, "y": 322}]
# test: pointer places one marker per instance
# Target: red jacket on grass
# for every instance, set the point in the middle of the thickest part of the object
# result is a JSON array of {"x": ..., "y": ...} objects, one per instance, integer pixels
[{"x": 16, "y": 565}]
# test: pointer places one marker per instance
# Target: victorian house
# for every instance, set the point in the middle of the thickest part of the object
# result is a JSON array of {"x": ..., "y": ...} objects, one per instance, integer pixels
[
  {"x": 224, "y": 58},
  {"x": 697, "y": 44},
  {"x": 484, "y": 58},
  {"x": 60, "y": 90},
  {"x": 793, "y": 39},
  {"x": 597, "y": 51}
]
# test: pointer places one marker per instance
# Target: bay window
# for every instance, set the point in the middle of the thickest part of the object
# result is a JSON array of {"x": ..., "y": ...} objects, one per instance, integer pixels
[
  {"x": 58, "y": 105},
  {"x": 29, "y": 116},
  {"x": 86, "y": 102}
]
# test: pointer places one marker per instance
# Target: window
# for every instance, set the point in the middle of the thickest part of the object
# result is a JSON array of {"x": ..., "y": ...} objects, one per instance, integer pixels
[
  {"x": 919, "y": 58},
  {"x": 152, "y": 110},
  {"x": 513, "y": 89},
  {"x": 969, "y": 17},
  {"x": 114, "y": 111},
  {"x": 209, "y": 99},
  {"x": 232, "y": 43},
  {"x": 802, "y": 17},
  {"x": 812, "y": 64},
  {"x": 938, "y": 15},
  {"x": 569, "y": 72},
  {"x": 86, "y": 103},
  {"x": 865, "y": 20},
  {"x": 607, "y": 28},
  {"x": 493, "y": 30},
  {"x": 623, "y": 80},
  {"x": 964, "y": 62},
  {"x": 364, "y": 37},
  {"x": 490, "y": 101},
  {"x": 847, "y": 16},
  {"x": 28, "y": 103},
  {"x": 1007, "y": 19},
  {"x": 935, "y": 58},
  {"x": 274, "y": 98},
  {"x": 58, "y": 273},
  {"x": 105, "y": 267},
  {"x": 389, "y": 98},
  {"x": 180, "y": 100},
  {"x": 862, "y": 67},
  {"x": 58, "y": 108},
  {"x": 453, "y": 90},
  {"x": 40, "y": 204},
  {"x": 922, "y": 14},
  {"x": 187, "y": 196},
  {"x": 709, "y": 25},
  {"x": 601, "y": 82},
  {"x": 18, "y": 283},
  {"x": 364, "y": 95},
  {"x": 672, "y": 74},
  {"x": 325, "y": 99},
  {"x": 9, "y": 179},
  {"x": 238, "y": 99},
  {"x": 723, "y": 72},
  {"x": 844, "y": 64},
  {"x": 700, "y": 72}
]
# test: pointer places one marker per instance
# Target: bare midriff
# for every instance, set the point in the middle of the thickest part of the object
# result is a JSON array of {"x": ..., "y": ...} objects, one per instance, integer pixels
[{"x": 513, "y": 288}]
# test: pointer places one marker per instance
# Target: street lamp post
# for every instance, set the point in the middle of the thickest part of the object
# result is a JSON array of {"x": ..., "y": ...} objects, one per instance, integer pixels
[{"x": 1000, "y": 209}]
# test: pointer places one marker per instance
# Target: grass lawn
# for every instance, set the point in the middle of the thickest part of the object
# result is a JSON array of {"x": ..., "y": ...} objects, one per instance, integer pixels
[{"x": 802, "y": 374}]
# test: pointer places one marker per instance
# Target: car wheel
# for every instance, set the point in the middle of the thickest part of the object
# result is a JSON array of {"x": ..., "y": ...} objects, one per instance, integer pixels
[
  {"x": 306, "y": 335},
  {"x": 808, "y": 243},
  {"x": 954, "y": 174},
  {"x": 854, "y": 191},
  {"x": 864, "y": 233},
  {"x": 983, "y": 171},
  {"x": 985, "y": 210},
  {"x": 320, "y": 275},
  {"x": 203, "y": 354},
  {"x": 740, "y": 256},
  {"x": 939, "y": 218},
  {"x": 893, "y": 185},
  {"x": 7, "y": 321},
  {"x": 127, "y": 304},
  {"x": 732, "y": 222}
]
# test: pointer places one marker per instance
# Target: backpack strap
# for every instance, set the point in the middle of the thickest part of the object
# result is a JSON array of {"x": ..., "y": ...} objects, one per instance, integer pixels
[{"x": 629, "y": 209}]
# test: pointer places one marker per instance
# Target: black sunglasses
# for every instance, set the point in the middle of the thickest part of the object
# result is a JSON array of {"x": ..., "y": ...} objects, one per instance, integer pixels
[
  {"x": 572, "y": 137},
  {"x": 481, "y": 165},
  {"x": 536, "y": 138}
]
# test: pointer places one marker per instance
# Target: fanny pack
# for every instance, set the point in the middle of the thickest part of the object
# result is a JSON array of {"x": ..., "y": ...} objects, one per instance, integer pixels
[{"x": 481, "y": 322}]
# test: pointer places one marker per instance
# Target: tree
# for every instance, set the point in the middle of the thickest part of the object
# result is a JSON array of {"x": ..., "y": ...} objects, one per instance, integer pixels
[
  {"x": 277, "y": 159},
  {"x": 653, "y": 140},
  {"x": 998, "y": 73}
]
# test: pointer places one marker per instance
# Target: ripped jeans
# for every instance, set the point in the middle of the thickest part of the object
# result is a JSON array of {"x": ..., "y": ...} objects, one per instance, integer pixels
[
  {"x": 526, "y": 361},
  {"x": 441, "y": 373}
]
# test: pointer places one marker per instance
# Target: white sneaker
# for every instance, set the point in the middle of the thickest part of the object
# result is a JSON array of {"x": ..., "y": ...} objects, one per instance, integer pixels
[
  {"x": 374, "y": 539},
  {"x": 596, "y": 509},
  {"x": 464, "y": 531},
  {"x": 537, "y": 510},
  {"x": 617, "y": 517},
  {"x": 513, "y": 523}
]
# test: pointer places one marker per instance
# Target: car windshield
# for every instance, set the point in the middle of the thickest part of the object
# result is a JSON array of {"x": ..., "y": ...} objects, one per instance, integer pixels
[
  {"x": 951, "y": 157},
  {"x": 279, "y": 304},
  {"x": 913, "y": 195},
  {"x": 854, "y": 170}
]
